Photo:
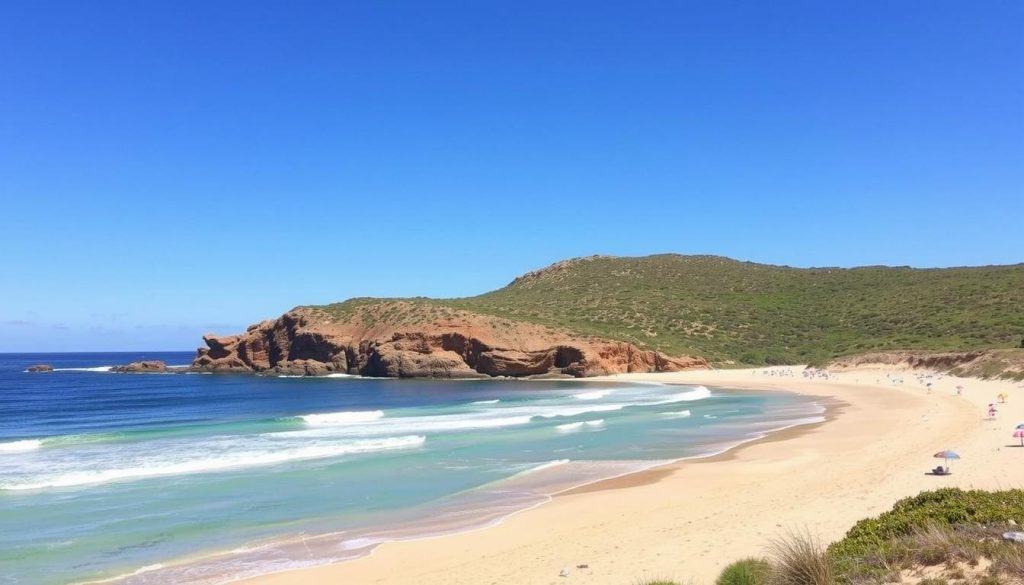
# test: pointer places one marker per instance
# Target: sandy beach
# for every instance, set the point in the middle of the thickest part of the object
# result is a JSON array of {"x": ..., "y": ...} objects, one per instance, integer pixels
[{"x": 687, "y": 520}]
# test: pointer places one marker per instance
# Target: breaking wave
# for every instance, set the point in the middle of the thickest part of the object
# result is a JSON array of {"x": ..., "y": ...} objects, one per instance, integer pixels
[
  {"x": 596, "y": 394},
  {"x": 20, "y": 446},
  {"x": 578, "y": 426},
  {"x": 210, "y": 460},
  {"x": 343, "y": 417}
]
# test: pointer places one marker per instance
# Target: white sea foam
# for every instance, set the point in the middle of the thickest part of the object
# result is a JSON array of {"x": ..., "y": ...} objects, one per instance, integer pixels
[
  {"x": 596, "y": 394},
  {"x": 406, "y": 425},
  {"x": 698, "y": 393},
  {"x": 677, "y": 414},
  {"x": 454, "y": 423},
  {"x": 549, "y": 464},
  {"x": 215, "y": 457},
  {"x": 20, "y": 446},
  {"x": 94, "y": 369},
  {"x": 577, "y": 426},
  {"x": 343, "y": 417},
  {"x": 495, "y": 401},
  {"x": 578, "y": 410},
  {"x": 135, "y": 573},
  {"x": 338, "y": 375},
  {"x": 358, "y": 543}
]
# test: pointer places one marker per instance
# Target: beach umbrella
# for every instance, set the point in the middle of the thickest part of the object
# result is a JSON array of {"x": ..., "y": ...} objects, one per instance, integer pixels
[
  {"x": 1019, "y": 434},
  {"x": 1020, "y": 426},
  {"x": 947, "y": 455}
]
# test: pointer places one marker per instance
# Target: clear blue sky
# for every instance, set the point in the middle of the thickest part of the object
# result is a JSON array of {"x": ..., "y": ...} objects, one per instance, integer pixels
[{"x": 169, "y": 168}]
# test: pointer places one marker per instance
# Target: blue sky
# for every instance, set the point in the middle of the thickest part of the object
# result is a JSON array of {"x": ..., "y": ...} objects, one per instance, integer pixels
[{"x": 171, "y": 169}]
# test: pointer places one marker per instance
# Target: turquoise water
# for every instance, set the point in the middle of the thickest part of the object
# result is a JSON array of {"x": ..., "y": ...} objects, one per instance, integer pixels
[{"x": 201, "y": 478}]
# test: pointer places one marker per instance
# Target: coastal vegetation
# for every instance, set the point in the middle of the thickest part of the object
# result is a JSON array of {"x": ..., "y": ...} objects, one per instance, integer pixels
[
  {"x": 942, "y": 537},
  {"x": 743, "y": 313}
]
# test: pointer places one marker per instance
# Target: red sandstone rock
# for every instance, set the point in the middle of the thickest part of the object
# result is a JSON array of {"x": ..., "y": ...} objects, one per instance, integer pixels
[
  {"x": 141, "y": 367},
  {"x": 374, "y": 342}
]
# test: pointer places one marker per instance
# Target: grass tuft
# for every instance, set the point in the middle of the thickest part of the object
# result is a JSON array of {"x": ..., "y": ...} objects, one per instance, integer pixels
[{"x": 800, "y": 558}]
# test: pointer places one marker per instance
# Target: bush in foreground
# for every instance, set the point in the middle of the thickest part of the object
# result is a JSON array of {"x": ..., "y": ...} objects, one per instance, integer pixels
[
  {"x": 947, "y": 506},
  {"x": 746, "y": 572},
  {"x": 953, "y": 533}
]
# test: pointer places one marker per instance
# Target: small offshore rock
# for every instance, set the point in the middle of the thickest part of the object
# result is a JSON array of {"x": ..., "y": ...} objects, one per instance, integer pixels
[{"x": 141, "y": 366}]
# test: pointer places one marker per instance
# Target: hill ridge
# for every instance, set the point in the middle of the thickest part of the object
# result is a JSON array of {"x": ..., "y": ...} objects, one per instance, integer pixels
[{"x": 740, "y": 312}]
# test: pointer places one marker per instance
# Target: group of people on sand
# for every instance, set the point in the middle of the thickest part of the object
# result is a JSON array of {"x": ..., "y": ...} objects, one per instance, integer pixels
[
  {"x": 893, "y": 378},
  {"x": 777, "y": 372},
  {"x": 816, "y": 374}
]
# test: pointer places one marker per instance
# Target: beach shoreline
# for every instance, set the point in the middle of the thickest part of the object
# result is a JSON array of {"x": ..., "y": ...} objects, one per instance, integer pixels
[
  {"x": 687, "y": 519},
  {"x": 306, "y": 550}
]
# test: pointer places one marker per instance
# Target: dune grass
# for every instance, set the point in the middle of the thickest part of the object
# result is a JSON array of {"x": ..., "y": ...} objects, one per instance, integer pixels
[{"x": 799, "y": 558}]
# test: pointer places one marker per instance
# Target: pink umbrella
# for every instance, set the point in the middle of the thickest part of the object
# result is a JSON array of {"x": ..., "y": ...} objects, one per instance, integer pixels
[{"x": 1019, "y": 434}]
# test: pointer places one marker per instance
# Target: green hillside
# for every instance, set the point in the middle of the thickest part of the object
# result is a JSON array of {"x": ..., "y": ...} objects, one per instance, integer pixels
[{"x": 730, "y": 311}]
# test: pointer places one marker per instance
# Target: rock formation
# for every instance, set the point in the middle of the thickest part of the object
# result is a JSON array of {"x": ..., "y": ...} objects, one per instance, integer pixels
[
  {"x": 141, "y": 367},
  {"x": 419, "y": 339}
]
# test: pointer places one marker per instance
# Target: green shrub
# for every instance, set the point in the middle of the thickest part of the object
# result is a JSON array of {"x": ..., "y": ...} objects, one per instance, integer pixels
[
  {"x": 746, "y": 572},
  {"x": 918, "y": 530},
  {"x": 947, "y": 506}
]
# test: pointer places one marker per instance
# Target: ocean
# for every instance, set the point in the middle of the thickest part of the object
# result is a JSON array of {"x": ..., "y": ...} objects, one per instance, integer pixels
[{"x": 202, "y": 478}]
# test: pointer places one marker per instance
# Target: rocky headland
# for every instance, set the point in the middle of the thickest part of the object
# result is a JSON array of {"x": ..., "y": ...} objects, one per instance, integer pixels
[{"x": 415, "y": 338}]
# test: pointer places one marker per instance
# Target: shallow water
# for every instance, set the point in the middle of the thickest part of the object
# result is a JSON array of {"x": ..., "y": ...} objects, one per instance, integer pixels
[{"x": 192, "y": 478}]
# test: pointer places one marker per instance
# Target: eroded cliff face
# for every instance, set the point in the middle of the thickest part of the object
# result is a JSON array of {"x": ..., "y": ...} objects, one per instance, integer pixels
[
  {"x": 986, "y": 363},
  {"x": 387, "y": 340}
]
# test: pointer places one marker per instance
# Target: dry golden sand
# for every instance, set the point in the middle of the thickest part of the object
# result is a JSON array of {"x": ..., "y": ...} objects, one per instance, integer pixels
[{"x": 687, "y": 520}]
